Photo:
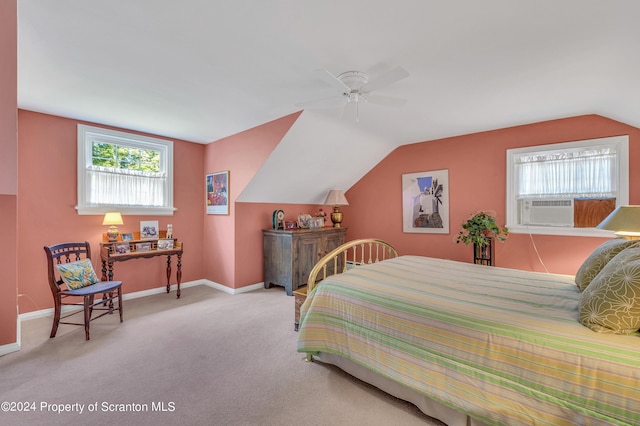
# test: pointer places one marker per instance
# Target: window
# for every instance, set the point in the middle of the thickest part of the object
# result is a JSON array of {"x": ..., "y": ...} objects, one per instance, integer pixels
[
  {"x": 124, "y": 172},
  {"x": 566, "y": 188}
]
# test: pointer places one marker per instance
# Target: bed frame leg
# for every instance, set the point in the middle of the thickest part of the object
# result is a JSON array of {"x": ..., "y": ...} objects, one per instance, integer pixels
[{"x": 309, "y": 358}]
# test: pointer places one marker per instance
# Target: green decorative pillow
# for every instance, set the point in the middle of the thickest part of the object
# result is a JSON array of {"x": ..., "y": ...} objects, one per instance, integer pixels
[
  {"x": 77, "y": 274},
  {"x": 611, "y": 303},
  {"x": 599, "y": 259}
]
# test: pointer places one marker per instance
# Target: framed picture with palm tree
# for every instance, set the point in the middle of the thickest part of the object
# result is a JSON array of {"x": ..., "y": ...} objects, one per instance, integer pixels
[{"x": 425, "y": 202}]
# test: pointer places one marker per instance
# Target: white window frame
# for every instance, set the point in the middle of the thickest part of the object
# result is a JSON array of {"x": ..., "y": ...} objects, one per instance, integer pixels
[
  {"x": 622, "y": 147},
  {"x": 87, "y": 134}
]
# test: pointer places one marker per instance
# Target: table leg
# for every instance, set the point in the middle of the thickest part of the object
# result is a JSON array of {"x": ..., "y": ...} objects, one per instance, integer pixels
[
  {"x": 168, "y": 273},
  {"x": 179, "y": 274},
  {"x": 104, "y": 270},
  {"x": 110, "y": 267}
]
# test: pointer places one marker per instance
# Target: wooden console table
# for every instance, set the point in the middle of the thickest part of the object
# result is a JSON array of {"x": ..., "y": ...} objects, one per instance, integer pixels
[{"x": 109, "y": 256}]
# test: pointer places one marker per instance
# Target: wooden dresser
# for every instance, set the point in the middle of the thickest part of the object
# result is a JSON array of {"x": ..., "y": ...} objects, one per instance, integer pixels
[{"x": 289, "y": 255}]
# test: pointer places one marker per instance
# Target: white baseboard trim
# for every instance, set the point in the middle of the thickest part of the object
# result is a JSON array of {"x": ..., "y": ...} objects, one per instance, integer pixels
[
  {"x": 8, "y": 348},
  {"x": 13, "y": 347},
  {"x": 127, "y": 296},
  {"x": 230, "y": 290}
]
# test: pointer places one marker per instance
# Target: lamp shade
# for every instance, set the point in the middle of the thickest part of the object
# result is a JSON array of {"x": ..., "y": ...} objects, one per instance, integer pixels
[
  {"x": 336, "y": 198},
  {"x": 624, "y": 221},
  {"x": 112, "y": 218}
]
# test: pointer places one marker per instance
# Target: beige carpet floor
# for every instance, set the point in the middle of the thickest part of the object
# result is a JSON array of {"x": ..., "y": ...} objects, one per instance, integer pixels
[{"x": 209, "y": 358}]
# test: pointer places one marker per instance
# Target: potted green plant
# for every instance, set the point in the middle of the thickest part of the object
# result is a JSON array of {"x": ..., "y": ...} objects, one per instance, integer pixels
[{"x": 481, "y": 229}]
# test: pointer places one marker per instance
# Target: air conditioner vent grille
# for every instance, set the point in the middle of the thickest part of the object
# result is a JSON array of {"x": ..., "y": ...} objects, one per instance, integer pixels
[{"x": 551, "y": 203}]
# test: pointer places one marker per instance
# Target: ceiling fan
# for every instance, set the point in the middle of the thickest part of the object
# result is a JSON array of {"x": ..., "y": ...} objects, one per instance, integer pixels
[{"x": 354, "y": 87}]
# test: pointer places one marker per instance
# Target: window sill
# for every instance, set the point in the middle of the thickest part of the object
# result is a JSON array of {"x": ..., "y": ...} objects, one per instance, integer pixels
[
  {"x": 130, "y": 211},
  {"x": 557, "y": 230}
]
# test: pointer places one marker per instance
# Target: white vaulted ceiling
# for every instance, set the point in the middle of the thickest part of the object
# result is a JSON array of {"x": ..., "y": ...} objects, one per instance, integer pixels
[{"x": 201, "y": 70}]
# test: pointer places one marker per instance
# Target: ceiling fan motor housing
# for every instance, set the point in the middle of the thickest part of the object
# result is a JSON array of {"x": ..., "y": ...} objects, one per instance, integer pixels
[{"x": 355, "y": 80}]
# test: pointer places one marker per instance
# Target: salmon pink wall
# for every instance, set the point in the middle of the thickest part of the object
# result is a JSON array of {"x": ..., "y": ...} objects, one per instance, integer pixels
[
  {"x": 8, "y": 171},
  {"x": 8, "y": 270},
  {"x": 228, "y": 240},
  {"x": 477, "y": 181},
  {"x": 48, "y": 196},
  {"x": 8, "y": 97}
]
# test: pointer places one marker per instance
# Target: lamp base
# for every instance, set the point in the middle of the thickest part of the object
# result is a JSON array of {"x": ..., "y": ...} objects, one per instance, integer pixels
[
  {"x": 336, "y": 217},
  {"x": 112, "y": 234}
]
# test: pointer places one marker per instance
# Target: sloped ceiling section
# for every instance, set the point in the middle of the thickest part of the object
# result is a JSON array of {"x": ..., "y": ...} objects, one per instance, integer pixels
[{"x": 318, "y": 153}]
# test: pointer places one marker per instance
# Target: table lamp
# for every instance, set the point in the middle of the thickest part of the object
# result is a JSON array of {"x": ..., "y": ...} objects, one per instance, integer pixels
[
  {"x": 112, "y": 219},
  {"x": 624, "y": 221},
  {"x": 336, "y": 199}
]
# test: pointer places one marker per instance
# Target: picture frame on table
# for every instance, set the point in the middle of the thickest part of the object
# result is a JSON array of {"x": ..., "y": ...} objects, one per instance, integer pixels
[
  {"x": 127, "y": 237},
  {"x": 121, "y": 248},
  {"x": 165, "y": 244},
  {"x": 316, "y": 222},
  {"x": 217, "y": 192},
  {"x": 303, "y": 221},
  {"x": 140, "y": 247},
  {"x": 149, "y": 230},
  {"x": 290, "y": 224}
]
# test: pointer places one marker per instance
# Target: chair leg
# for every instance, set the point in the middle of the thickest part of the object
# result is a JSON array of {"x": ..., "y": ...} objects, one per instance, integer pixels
[
  {"x": 56, "y": 316},
  {"x": 91, "y": 299},
  {"x": 110, "y": 300},
  {"x": 120, "y": 302},
  {"x": 88, "y": 302}
]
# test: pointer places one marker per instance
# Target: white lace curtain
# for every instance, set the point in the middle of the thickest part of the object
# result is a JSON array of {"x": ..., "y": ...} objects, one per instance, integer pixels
[
  {"x": 108, "y": 185},
  {"x": 586, "y": 173}
]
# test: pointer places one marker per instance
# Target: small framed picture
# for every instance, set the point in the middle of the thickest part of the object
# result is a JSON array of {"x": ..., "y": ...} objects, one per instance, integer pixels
[
  {"x": 303, "y": 221},
  {"x": 290, "y": 224},
  {"x": 217, "y": 196},
  {"x": 121, "y": 248},
  {"x": 316, "y": 222},
  {"x": 166, "y": 244},
  {"x": 148, "y": 229},
  {"x": 127, "y": 237},
  {"x": 143, "y": 247}
]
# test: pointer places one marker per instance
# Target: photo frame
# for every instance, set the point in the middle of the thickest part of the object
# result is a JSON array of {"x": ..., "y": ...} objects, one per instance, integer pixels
[
  {"x": 127, "y": 237},
  {"x": 149, "y": 229},
  {"x": 143, "y": 247},
  {"x": 303, "y": 221},
  {"x": 217, "y": 192},
  {"x": 121, "y": 248},
  {"x": 165, "y": 244},
  {"x": 425, "y": 202},
  {"x": 290, "y": 224},
  {"x": 316, "y": 223}
]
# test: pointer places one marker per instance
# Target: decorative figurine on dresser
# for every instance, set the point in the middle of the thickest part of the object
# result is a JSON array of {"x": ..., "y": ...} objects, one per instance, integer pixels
[{"x": 290, "y": 254}]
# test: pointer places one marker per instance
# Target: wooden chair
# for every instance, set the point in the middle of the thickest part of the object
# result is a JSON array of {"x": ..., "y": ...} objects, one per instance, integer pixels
[{"x": 66, "y": 253}]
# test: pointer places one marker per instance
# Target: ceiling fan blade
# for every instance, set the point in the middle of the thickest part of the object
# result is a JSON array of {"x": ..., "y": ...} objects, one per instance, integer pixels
[
  {"x": 385, "y": 100},
  {"x": 332, "y": 80},
  {"x": 396, "y": 74},
  {"x": 330, "y": 102}
]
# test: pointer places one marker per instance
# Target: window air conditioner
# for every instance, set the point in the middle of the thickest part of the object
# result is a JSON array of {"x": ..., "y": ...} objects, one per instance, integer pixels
[{"x": 552, "y": 212}]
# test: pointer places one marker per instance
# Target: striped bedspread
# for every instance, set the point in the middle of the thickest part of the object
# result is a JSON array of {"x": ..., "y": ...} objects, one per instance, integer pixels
[{"x": 501, "y": 345}]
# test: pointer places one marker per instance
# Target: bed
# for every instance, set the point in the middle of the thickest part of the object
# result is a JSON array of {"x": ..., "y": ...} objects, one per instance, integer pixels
[{"x": 469, "y": 344}]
